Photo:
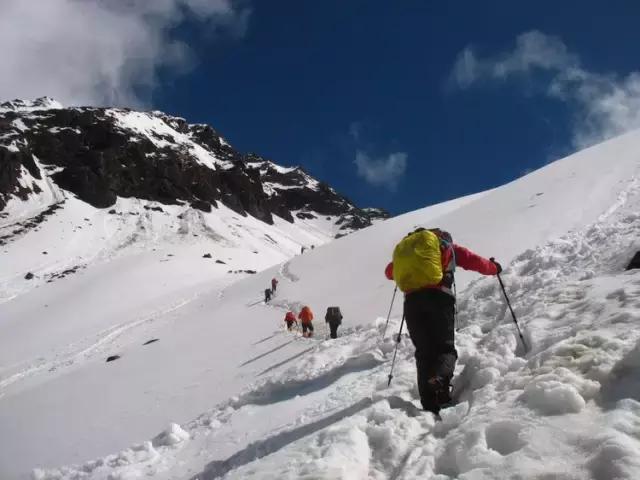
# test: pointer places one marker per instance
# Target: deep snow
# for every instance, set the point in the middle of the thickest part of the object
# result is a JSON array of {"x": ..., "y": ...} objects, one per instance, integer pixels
[{"x": 234, "y": 395}]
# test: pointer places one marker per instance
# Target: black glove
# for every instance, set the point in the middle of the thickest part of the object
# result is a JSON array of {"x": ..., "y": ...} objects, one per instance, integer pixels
[{"x": 498, "y": 266}]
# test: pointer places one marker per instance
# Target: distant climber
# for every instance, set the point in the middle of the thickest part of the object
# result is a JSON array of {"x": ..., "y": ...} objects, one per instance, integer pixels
[
  {"x": 306, "y": 317},
  {"x": 290, "y": 320},
  {"x": 302, "y": 250},
  {"x": 334, "y": 318},
  {"x": 267, "y": 295},
  {"x": 274, "y": 284},
  {"x": 423, "y": 267}
]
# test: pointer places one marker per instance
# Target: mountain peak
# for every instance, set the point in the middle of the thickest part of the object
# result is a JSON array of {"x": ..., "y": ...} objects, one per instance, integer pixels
[
  {"x": 41, "y": 103},
  {"x": 100, "y": 154}
]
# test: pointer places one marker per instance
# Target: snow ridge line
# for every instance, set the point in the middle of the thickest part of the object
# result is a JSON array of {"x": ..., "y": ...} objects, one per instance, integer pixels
[
  {"x": 574, "y": 256},
  {"x": 274, "y": 391},
  {"x": 623, "y": 197}
]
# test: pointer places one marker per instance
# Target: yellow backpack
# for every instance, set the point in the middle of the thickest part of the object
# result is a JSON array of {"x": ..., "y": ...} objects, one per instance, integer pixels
[{"x": 417, "y": 261}]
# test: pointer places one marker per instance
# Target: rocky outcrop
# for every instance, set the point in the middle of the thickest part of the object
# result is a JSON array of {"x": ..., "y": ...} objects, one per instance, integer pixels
[
  {"x": 635, "y": 262},
  {"x": 100, "y": 154},
  {"x": 362, "y": 218}
]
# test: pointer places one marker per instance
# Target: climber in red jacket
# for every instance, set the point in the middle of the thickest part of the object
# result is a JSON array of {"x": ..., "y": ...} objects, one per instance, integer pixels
[
  {"x": 290, "y": 320},
  {"x": 429, "y": 311}
]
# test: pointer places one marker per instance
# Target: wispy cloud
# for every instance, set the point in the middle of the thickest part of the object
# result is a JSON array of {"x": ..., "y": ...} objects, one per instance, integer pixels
[
  {"x": 101, "y": 52},
  {"x": 355, "y": 129},
  {"x": 382, "y": 171},
  {"x": 605, "y": 105}
]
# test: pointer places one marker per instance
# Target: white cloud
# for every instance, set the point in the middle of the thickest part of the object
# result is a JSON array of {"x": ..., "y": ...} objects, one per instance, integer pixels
[
  {"x": 381, "y": 171},
  {"x": 533, "y": 50},
  {"x": 605, "y": 105},
  {"x": 100, "y": 51}
]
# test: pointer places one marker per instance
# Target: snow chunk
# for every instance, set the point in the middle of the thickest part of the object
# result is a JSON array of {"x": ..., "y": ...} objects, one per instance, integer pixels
[
  {"x": 552, "y": 397},
  {"x": 12, "y": 147},
  {"x": 171, "y": 436},
  {"x": 615, "y": 458},
  {"x": 342, "y": 452},
  {"x": 484, "y": 377},
  {"x": 19, "y": 124},
  {"x": 129, "y": 464}
]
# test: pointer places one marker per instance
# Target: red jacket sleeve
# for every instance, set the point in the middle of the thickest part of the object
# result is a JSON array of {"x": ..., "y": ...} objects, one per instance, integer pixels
[
  {"x": 388, "y": 272},
  {"x": 470, "y": 261}
]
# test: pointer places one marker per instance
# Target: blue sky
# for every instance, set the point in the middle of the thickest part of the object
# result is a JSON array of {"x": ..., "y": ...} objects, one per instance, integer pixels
[{"x": 397, "y": 104}]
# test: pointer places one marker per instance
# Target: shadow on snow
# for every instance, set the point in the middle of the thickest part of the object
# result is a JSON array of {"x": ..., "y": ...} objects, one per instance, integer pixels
[
  {"x": 262, "y": 355},
  {"x": 262, "y": 448},
  {"x": 279, "y": 392},
  {"x": 285, "y": 361}
]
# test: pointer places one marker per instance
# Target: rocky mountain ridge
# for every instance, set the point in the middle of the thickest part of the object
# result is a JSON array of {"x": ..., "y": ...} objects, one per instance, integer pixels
[{"x": 100, "y": 154}]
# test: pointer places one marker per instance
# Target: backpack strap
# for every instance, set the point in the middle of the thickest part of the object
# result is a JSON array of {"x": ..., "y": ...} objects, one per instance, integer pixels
[{"x": 446, "y": 243}]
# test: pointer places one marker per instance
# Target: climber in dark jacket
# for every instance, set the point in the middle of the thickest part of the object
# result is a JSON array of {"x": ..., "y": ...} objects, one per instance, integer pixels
[{"x": 334, "y": 318}]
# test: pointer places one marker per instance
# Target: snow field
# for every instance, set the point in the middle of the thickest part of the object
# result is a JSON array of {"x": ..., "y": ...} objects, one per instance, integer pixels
[
  {"x": 566, "y": 409},
  {"x": 279, "y": 406},
  {"x": 102, "y": 283},
  {"x": 160, "y": 263}
]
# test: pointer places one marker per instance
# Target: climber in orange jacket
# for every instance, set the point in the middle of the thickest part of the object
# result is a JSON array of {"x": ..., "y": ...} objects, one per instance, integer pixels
[{"x": 306, "y": 317}]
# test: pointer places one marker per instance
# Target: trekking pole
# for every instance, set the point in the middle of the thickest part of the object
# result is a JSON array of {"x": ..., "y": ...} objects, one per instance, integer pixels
[
  {"x": 455, "y": 307},
  {"x": 506, "y": 297},
  {"x": 389, "y": 315},
  {"x": 395, "y": 352}
]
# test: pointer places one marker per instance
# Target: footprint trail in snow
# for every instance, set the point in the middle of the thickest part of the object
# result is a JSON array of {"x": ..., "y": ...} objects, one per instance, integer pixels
[{"x": 572, "y": 400}]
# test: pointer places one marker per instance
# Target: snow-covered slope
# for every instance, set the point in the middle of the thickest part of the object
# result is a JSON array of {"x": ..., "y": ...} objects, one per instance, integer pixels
[
  {"x": 254, "y": 401},
  {"x": 80, "y": 187}
]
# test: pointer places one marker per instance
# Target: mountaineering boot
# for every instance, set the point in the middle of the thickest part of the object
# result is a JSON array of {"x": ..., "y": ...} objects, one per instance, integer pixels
[
  {"x": 443, "y": 391},
  {"x": 436, "y": 394}
]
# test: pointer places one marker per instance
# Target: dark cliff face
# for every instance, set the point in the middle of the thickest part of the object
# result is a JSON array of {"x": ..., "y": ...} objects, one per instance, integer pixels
[{"x": 99, "y": 154}]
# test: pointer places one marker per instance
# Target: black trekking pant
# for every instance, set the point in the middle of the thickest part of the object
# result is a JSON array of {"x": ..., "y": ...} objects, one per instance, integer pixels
[
  {"x": 430, "y": 317},
  {"x": 307, "y": 326},
  {"x": 333, "y": 328}
]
